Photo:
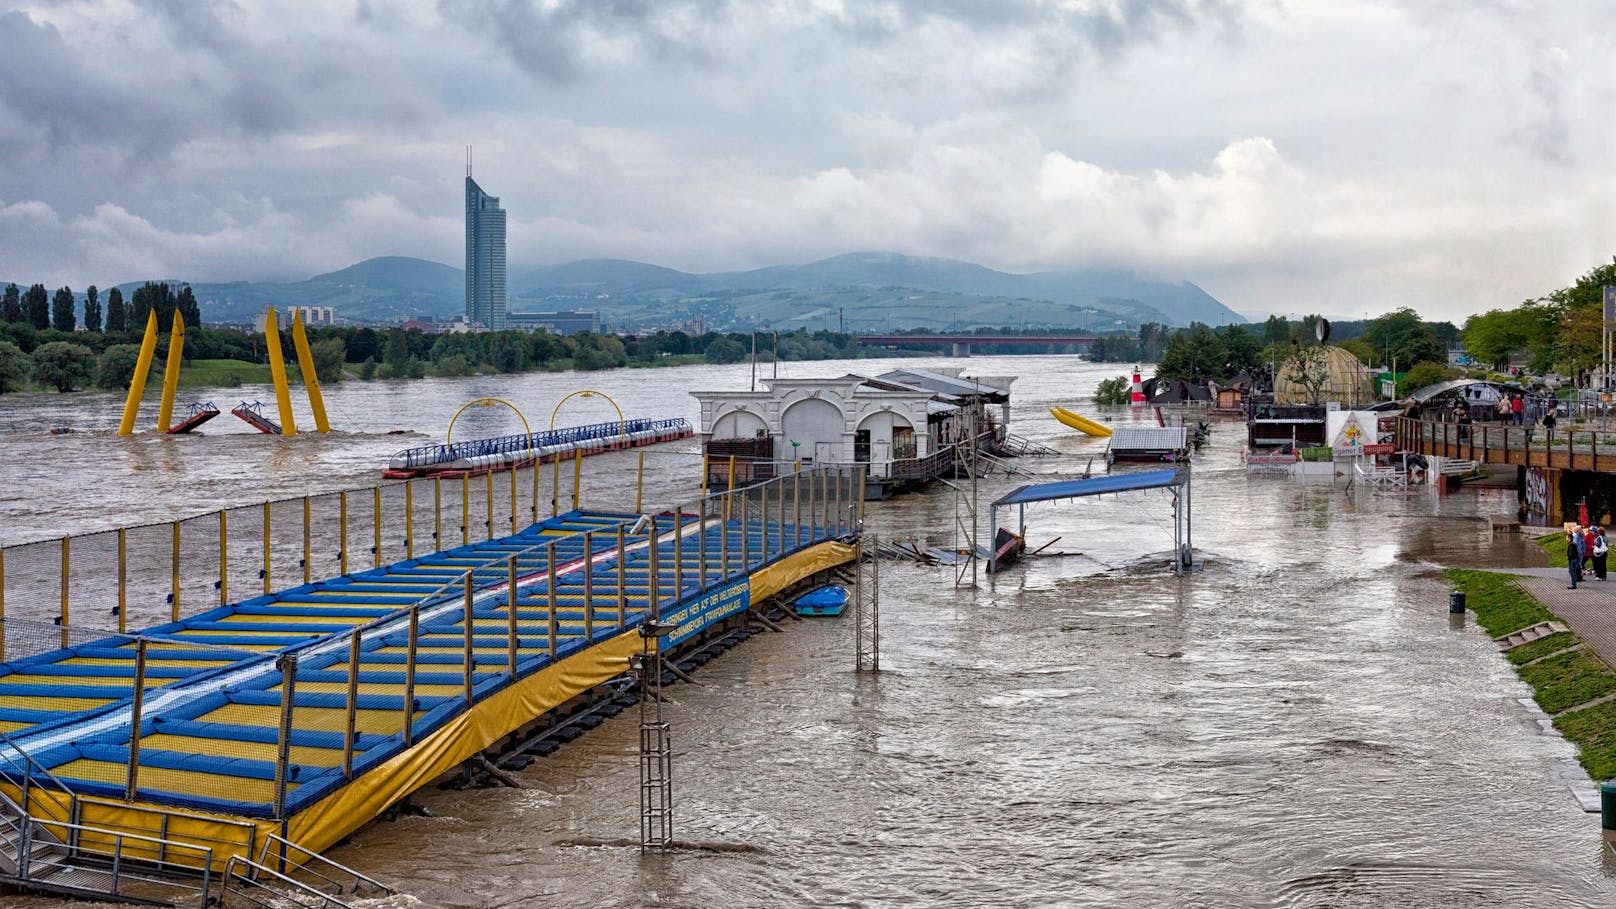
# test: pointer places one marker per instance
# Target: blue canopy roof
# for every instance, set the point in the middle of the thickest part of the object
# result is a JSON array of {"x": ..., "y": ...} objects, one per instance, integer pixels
[{"x": 1074, "y": 489}]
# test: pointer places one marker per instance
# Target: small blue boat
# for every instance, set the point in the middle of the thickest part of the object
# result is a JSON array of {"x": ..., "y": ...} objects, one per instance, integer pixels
[{"x": 824, "y": 601}]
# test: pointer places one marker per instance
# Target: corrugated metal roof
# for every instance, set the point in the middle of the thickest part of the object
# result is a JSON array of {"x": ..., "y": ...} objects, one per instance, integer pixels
[
  {"x": 1151, "y": 438},
  {"x": 1094, "y": 486}
]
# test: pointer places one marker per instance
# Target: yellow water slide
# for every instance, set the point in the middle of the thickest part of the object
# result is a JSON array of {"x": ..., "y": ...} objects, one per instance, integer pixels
[{"x": 1080, "y": 422}]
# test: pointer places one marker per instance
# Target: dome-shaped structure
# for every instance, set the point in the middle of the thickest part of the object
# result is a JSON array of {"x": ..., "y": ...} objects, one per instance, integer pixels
[{"x": 1320, "y": 374}]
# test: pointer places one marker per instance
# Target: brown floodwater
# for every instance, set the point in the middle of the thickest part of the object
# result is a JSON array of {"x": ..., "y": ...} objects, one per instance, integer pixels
[{"x": 1298, "y": 723}]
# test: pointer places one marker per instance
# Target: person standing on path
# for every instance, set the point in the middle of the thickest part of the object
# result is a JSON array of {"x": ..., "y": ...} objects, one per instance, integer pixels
[
  {"x": 1601, "y": 552},
  {"x": 1587, "y": 551},
  {"x": 1517, "y": 406},
  {"x": 1574, "y": 555}
]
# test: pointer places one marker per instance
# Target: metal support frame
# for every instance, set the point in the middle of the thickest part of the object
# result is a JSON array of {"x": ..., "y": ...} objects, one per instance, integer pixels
[
  {"x": 656, "y": 753},
  {"x": 867, "y": 605}
]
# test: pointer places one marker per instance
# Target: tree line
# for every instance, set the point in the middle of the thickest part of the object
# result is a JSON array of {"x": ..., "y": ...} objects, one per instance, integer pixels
[
  {"x": 67, "y": 358},
  {"x": 1400, "y": 341}
]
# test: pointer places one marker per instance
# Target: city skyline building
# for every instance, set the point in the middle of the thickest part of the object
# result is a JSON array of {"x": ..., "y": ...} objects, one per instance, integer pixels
[{"x": 485, "y": 258}]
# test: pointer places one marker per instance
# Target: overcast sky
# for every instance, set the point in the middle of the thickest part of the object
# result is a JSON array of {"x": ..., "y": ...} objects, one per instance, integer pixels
[{"x": 1287, "y": 155}]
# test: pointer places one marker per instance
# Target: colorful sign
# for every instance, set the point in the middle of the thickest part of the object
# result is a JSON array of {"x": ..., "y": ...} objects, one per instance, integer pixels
[
  {"x": 1384, "y": 448},
  {"x": 1350, "y": 430},
  {"x": 690, "y": 618}
]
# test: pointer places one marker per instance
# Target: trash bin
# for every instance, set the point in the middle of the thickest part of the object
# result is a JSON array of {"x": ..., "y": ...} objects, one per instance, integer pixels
[{"x": 1456, "y": 601}]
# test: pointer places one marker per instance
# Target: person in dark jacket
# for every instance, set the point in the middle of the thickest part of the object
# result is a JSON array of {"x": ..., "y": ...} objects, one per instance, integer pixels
[
  {"x": 1574, "y": 556},
  {"x": 1601, "y": 552}
]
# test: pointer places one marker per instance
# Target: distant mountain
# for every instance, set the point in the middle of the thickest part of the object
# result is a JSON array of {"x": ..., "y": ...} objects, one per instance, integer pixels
[{"x": 858, "y": 291}]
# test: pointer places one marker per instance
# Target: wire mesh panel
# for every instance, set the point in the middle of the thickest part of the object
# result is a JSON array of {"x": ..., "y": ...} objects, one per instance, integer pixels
[
  {"x": 149, "y": 566},
  {"x": 325, "y": 536},
  {"x": 424, "y": 496},
  {"x": 244, "y": 550},
  {"x": 199, "y": 565},
  {"x": 33, "y": 580},
  {"x": 392, "y": 529},
  {"x": 285, "y": 564}
]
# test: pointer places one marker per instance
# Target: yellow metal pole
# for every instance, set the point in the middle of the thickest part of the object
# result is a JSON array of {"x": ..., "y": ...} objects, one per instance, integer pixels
[
  {"x": 513, "y": 501},
  {"x": 466, "y": 656},
  {"x": 654, "y": 591},
  {"x": 174, "y": 591},
  {"x": 796, "y": 508},
  {"x": 353, "y": 704},
  {"x": 555, "y": 484},
  {"x": 577, "y": 477},
  {"x": 224, "y": 558},
  {"x": 123, "y": 581},
  {"x": 376, "y": 527},
  {"x": 305, "y": 364},
  {"x": 277, "y": 372},
  {"x": 589, "y": 590},
  {"x": 308, "y": 561},
  {"x": 510, "y": 617},
  {"x": 535, "y": 491},
  {"x": 465, "y": 509},
  {"x": 639, "y": 485},
  {"x": 550, "y": 593},
  {"x": 137, "y": 383},
  {"x": 171, "y": 374},
  {"x": 678, "y": 552},
  {"x": 701, "y": 543},
  {"x": 409, "y": 519},
  {"x": 705, "y": 467},
  {"x": 409, "y": 676},
  {"x": 266, "y": 547},
  {"x": 67, "y": 561},
  {"x": 729, "y": 490},
  {"x": 342, "y": 521},
  {"x": 137, "y": 697},
  {"x": 622, "y": 580}
]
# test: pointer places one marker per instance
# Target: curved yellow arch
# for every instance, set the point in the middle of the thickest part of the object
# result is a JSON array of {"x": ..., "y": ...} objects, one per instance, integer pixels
[
  {"x": 448, "y": 437},
  {"x": 590, "y": 393}
]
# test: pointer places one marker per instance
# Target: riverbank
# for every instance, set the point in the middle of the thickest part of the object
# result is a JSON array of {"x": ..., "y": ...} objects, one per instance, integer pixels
[{"x": 1570, "y": 680}]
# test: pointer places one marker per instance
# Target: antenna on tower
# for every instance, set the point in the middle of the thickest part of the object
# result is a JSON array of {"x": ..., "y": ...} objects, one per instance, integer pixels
[{"x": 468, "y": 160}]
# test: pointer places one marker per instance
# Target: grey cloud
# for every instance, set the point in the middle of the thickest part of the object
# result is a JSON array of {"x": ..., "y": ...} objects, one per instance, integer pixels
[
  {"x": 551, "y": 40},
  {"x": 50, "y": 85}
]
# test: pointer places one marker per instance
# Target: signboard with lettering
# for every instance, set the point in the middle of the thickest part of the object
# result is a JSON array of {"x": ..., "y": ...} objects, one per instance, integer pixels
[
  {"x": 691, "y": 617},
  {"x": 1350, "y": 430},
  {"x": 1384, "y": 448}
]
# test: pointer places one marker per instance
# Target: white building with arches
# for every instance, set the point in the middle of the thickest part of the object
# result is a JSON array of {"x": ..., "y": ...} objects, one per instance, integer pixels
[{"x": 903, "y": 427}]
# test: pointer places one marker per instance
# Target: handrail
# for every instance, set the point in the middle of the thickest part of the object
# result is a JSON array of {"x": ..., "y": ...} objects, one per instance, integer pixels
[
  {"x": 427, "y": 455},
  {"x": 159, "y": 846},
  {"x": 28, "y": 764},
  {"x": 362, "y": 879},
  {"x": 230, "y": 874}
]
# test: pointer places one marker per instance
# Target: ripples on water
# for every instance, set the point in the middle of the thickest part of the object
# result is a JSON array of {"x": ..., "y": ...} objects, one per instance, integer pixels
[{"x": 1297, "y": 724}]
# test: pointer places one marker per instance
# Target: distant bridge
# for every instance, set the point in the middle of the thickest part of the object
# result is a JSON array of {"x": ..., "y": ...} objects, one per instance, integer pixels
[{"x": 960, "y": 345}]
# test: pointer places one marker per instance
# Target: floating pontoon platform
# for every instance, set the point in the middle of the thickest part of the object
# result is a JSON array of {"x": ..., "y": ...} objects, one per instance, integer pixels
[{"x": 305, "y": 713}]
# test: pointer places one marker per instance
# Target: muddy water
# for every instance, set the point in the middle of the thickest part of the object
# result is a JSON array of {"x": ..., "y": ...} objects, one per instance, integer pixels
[{"x": 1297, "y": 724}]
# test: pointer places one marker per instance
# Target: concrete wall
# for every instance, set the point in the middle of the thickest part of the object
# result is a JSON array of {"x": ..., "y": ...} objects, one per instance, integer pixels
[{"x": 739, "y": 424}]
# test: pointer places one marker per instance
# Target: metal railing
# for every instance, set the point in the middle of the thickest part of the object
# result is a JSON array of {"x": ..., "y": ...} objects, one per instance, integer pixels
[{"x": 428, "y": 455}]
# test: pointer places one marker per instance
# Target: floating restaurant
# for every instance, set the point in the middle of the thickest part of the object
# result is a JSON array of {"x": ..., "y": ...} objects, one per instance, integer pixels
[{"x": 904, "y": 427}]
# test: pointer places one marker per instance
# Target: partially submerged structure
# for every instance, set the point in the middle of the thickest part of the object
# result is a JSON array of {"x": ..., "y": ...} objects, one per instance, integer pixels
[{"x": 906, "y": 427}]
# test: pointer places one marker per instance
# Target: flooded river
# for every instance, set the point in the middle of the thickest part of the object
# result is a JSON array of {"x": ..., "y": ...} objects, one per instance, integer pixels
[{"x": 1297, "y": 724}]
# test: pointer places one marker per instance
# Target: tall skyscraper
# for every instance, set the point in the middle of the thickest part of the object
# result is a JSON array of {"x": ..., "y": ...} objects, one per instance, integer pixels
[{"x": 485, "y": 258}]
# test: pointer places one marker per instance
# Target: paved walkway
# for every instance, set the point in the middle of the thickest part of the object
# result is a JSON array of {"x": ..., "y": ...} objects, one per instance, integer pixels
[{"x": 1590, "y": 610}]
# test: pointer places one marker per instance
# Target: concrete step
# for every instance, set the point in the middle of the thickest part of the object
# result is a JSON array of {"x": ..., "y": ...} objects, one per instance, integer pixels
[{"x": 1529, "y": 634}]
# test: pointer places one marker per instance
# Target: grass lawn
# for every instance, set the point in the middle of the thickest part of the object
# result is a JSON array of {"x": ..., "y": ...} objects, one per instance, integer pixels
[
  {"x": 1554, "y": 544},
  {"x": 1558, "y": 682},
  {"x": 220, "y": 374},
  {"x": 1568, "y": 680},
  {"x": 1500, "y": 605}
]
